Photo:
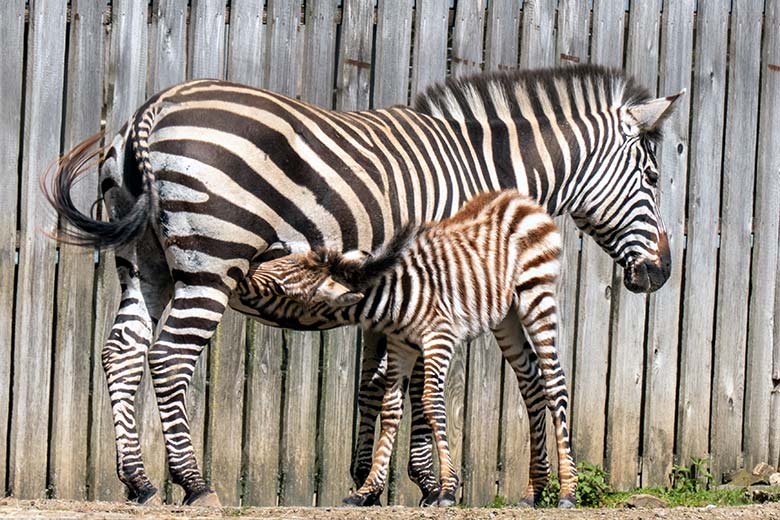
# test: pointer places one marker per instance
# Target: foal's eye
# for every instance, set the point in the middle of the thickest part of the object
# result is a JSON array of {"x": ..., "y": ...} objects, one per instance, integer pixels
[{"x": 651, "y": 176}]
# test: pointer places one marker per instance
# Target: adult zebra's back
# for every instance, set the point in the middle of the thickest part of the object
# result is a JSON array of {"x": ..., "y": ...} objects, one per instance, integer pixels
[{"x": 207, "y": 175}]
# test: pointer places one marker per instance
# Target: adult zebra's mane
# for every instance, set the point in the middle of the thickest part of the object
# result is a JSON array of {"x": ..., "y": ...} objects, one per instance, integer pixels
[{"x": 452, "y": 98}]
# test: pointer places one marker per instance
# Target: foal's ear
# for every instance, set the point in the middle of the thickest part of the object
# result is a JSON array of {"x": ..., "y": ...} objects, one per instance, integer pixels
[
  {"x": 650, "y": 114},
  {"x": 335, "y": 294}
]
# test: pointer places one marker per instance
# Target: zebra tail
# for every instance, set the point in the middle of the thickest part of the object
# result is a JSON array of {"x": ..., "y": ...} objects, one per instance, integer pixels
[{"x": 85, "y": 230}]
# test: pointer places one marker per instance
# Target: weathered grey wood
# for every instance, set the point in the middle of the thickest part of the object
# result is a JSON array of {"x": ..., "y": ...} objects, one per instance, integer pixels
[
  {"x": 429, "y": 62},
  {"x": 353, "y": 83},
  {"x": 455, "y": 397},
  {"x": 735, "y": 227},
  {"x": 664, "y": 308},
  {"x": 299, "y": 423},
  {"x": 765, "y": 250},
  {"x": 467, "y": 37},
  {"x": 167, "y": 45},
  {"x": 538, "y": 34},
  {"x": 102, "y": 480},
  {"x": 514, "y": 447},
  {"x": 708, "y": 99},
  {"x": 35, "y": 283},
  {"x": 590, "y": 383},
  {"x": 501, "y": 39},
  {"x": 281, "y": 64},
  {"x": 774, "y": 425},
  {"x": 482, "y": 420},
  {"x": 402, "y": 491},
  {"x": 226, "y": 407},
  {"x": 11, "y": 71},
  {"x": 319, "y": 53},
  {"x": 246, "y": 48},
  {"x": 393, "y": 48},
  {"x": 624, "y": 409},
  {"x": 340, "y": 350},
  {"x": 207, "y": 39},
  {"x": 72, "y": 355},
  {"x": 262, "y": 415}
]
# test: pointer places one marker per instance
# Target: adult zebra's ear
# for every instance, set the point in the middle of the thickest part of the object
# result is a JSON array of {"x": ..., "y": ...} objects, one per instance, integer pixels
[{"x": 649, "y": 115}]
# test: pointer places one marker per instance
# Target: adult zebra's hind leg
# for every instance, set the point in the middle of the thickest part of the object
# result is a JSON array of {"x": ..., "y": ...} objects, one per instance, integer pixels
[{"x": 145, "y": 290}]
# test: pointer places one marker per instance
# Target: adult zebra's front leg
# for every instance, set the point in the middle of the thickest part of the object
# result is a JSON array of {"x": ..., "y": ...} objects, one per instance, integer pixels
[{"x": 199, "y": 300}]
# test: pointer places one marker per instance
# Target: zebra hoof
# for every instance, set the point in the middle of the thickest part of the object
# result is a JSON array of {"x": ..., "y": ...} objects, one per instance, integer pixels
[
  {"x": 145, "y": 497},
  {"x": 446, "y": 500},
  {"x": 527, "y": 502},
  {"x": 154, "y": 500},
  {"x": 430, "y": 499},
  {"x": 566, "y": 503},
  {"x": 207, "y": 498},
  {"x": 360, "y": 500}
]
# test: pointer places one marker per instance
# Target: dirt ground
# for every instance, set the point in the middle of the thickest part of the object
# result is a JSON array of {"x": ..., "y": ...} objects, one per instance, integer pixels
[{"x": 64, "y": 509}]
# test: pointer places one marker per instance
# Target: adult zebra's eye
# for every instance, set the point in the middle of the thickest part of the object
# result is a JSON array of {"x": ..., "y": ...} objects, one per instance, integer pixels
[{"x": 651, "y": 176}]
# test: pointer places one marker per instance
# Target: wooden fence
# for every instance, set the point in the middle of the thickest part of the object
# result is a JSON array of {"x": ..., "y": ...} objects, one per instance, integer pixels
[{"x": 692, "y": 371}]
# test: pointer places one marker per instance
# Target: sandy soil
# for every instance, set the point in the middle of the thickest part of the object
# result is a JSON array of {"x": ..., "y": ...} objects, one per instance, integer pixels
[{"x": 65, "y": 509}]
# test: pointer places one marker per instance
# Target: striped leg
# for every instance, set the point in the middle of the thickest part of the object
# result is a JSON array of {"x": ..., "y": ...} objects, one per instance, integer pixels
[
  {"x": 372, "y": 388},
  {"x": 400, "y": 361},
  {"x": 537, "y": 311},
  {"x": 522, "y": 358},
  {"x": 420, "y": 466},
  {"x": 437, "y": 354},
  {"x": 123, "y": 358},
  {"x": 193, "y": 317}
]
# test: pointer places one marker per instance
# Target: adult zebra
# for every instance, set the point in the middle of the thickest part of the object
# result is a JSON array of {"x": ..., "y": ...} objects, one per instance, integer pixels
[{"x": 208, "y": 175}]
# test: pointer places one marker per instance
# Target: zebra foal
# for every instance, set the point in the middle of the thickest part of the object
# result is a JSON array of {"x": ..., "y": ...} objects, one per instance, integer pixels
[{"x": 493, "y": 265}]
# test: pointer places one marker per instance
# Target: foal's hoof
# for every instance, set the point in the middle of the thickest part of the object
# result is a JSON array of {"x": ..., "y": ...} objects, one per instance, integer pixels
[
  {"x": 446, "y": 500},
  {"x": 146, "y": 497},
  {"x": 207, "y": 498},
  {"x": 359, "y": 500},
  {"x": 430, "y": 499},
  {"x": 566, "y": 502}
]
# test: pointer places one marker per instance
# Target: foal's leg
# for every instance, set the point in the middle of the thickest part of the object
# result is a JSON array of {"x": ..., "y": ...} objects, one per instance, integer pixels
[
  {"x": 400, "y": 360},
  {"x": 420, "y": 466}
]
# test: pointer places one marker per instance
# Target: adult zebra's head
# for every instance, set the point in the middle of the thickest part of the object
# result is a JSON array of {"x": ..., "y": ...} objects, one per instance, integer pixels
[{"x": 618, "y": 206}]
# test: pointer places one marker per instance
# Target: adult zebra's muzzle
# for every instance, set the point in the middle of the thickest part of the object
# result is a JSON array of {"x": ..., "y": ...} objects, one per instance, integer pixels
[{"x": 645, "y": 275}]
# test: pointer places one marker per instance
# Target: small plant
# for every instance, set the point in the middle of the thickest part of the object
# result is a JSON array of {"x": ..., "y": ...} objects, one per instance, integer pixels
[
  {"x": 592, "y": 487},
  {"x": 692, "y": 479},
  {"x": 499, "y": 501}
]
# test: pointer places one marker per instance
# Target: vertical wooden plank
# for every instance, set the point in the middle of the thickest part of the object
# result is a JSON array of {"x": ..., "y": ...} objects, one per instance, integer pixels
[
  {"x": 354, "y": 66},
  {"x": 538, "y": 39},
  {"x": 11, "y": 75},
  {"x": 167, "y": 46},
  {"x": 320, "y": 53},
  {"x": 429, "y": 62},
  {"x": 774, "y": 426},
  {"x": 262, "y": 415},
  {"x": 299, "y": 424},
  {"x": 664, "y": 309},
  {"x": 708, "y": 98},
  {"x": 35, "y": 288},
  {"x": 68, "y": 446},
  {"x": 765, "y": 251},
  {"x": 226, "y": 406},
  {"x": 590, "y": 383},
  {"x": 393, "y": 48},
  {"x": 467, "y": 37},
  {"x": 624, "y": 408},
  {"x": 246, "y": 48},
  {"x": 455, "y": 396},
  {"x": 480, "y": 431},
  {"x": 337, "y": 412},
  {"x": 207, "y": 39},
  {"x": 401, "y": 490},
  {"x": 736, "y": 223},
  {"x": 501, "y": 39},
  {"x": 281, "y": 64}
]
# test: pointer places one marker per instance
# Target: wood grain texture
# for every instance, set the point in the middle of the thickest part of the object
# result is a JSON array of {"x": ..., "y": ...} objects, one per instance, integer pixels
[
  {"x": 590, "y": 383},
  {"x": 502, "y": 35},
  {"x": 207, "y": 39},
  {"x": 281, "y": 57},
  {"x": 708, "y": 99},
  {"x": 482, "y": 420},
  {"x": 429, "y": 60},
  {"x": 11, "y": 75},
  {"x": 299, "y": 424},
  {"x": 401, "y": 490},
  {"x": 393, "y": 48},
  {"x": 467, "y": 37},
  {"x": 735, "y": 228},
  {"x": 538, "y": 34},
  {"x": 455, "y": 398},
  {"x": 167, "y": 45},
  {"x": 664, "y": 308},
  {"x": 262, "y": 415},
  {"x": 624, "y": 402},
  {"x": 774, "y": 425},
  {"x": 73, "y": 337},
  {"x": 319, "y": 53},
  {"x": 37, "y": 252},
  {"x": 340, "y": 351},
  {"x": 353, "y": 84},
  {"x": 246, "y": 48},
  {"x": 766, "y": 218},
  {"x": 514, "y": 445}
]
